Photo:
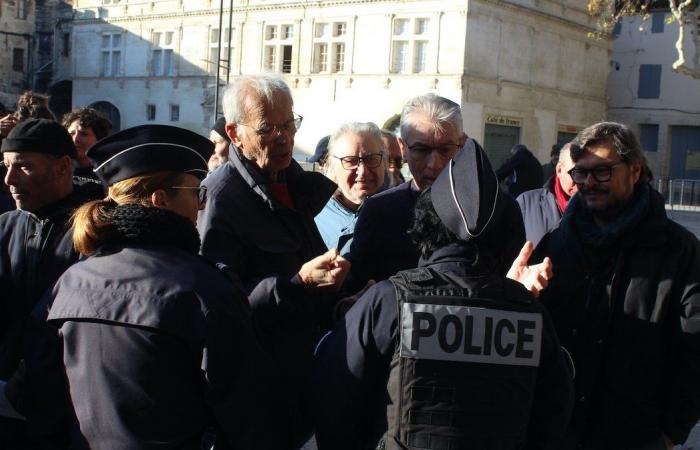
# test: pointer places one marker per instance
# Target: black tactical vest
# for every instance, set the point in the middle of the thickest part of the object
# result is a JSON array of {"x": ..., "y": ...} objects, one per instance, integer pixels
[{"x": 465, "y": 364}]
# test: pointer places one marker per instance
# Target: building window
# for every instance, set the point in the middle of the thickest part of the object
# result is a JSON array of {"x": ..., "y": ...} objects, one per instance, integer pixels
[
  {"x": 111, "y": 54},
  {"x": 657, "y": 22},
  {"x": 329, "y": 36},
  {"x": 22, "y": 9},
  {"x": 227, "y": 37},
  {"x": 65, "y": 51},
  {"x": 18, "y": 59},
  {"x": 150, "y": 112},
  {"x": 174, "y": 113},
  {"x": 409, "y": 46},
  {"x": 163, "y": 53},
  {"x": 649, "y": 81},
  {"x": 649, "y": 136},
  {"x": 278, "y": 45}
]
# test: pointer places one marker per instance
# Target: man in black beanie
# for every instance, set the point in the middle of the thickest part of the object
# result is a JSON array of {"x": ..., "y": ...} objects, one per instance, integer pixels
[
  {"x": 36, "y": 245},
  {"x": 449, "y": 355}
]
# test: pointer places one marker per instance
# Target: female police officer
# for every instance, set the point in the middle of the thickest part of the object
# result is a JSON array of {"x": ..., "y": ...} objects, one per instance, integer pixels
[{"x": 157, "y": 346}]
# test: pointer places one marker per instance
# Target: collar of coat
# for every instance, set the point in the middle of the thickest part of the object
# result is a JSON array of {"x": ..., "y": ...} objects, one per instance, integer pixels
[
  {"x": 81, "y": 193},
  {"x": 310, "y": 189}
]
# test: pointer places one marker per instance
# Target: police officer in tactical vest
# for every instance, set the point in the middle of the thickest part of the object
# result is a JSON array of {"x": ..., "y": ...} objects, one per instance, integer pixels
[{"x": 448, "y": 355}]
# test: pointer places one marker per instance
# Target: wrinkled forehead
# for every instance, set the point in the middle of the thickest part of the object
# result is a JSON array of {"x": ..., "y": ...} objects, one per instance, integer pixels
[
  {"x": 257, "y": 107},
  {"x": 26, "y": 156},
  {"x": 422, "y": 129},
  {"x": 354, "y": 143}
]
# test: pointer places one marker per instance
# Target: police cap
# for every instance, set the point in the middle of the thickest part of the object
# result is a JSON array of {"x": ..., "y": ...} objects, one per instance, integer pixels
[
  {"x": 147, "y": 149},
  {"x": 466, "y": 194}
]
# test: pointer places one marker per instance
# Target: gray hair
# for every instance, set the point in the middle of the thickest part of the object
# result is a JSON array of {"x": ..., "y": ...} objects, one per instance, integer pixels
[
  {"x": 368, "y": 128},
  {"x": 237, "y": 94},
  {"x": 439, "y": 110}
]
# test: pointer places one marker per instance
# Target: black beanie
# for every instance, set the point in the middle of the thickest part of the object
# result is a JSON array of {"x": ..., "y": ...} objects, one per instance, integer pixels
[{"x": 41, "y": 136}]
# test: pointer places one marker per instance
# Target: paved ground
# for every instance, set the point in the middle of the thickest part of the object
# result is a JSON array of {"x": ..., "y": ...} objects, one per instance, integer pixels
[{"x": 689, "y": 219}]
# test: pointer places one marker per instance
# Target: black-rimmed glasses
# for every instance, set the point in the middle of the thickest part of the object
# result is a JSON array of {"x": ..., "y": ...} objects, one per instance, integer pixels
[
  {"x": 600, "y": 173},
  {"x": 201, "y": 193},
  {"x": 353, "y": 162},
  {"x": 267, "y": 130}
]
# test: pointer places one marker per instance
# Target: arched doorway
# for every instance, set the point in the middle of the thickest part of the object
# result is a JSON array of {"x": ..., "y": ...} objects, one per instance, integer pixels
[
  {"x": 111, "y": 112},
  {"x": 60, "y": 98}
]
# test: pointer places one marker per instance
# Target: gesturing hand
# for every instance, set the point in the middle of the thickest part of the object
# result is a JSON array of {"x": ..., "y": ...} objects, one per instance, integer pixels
[
  {"x": 329, "y": 269},
  {"x": 7, "y": 123},
  {"x": 535, "y": 277}
]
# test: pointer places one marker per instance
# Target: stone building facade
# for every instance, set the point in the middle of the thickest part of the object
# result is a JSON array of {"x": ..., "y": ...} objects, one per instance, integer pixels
[
  {"x": 34, "y": 49},
  {"x": 524, "y": 71},
  {"x": 662, "y": 106}
]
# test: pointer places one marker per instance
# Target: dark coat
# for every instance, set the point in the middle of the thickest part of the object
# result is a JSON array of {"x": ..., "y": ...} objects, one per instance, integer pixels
[
  {"x": 349, "y": 389},
  {"x": 158, "y": 347},
  {"x": 540, "y": 211},
  {"x": 525, "y": 170},
  {"x": 265, "y": 244},
  {"x": 35, "y": 249},
  {"x": 381, "y": 246},
  {"x": 630, "y": 316}
]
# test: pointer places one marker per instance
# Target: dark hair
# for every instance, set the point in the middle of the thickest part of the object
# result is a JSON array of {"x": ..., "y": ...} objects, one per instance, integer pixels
[
  {"x": 89, "y": 118},
  {"x": 427, "y": 231},
  {"x": 31, "y": 105},
  {"x": 619, "y": 137}
]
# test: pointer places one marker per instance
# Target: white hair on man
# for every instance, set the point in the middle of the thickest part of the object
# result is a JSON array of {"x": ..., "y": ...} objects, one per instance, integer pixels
[
  {"x": 367, "y": 128},
  {"x": 439, "y": 110},
  {"x": 237, "y": 94}
]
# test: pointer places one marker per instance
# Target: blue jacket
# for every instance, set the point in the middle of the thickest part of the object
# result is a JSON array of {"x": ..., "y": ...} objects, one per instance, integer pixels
[{"x": 336, "y": 224}]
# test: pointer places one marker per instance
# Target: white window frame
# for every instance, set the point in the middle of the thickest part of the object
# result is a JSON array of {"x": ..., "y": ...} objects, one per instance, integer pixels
[
  {"x": 332, "y": 41},
  {"x": 163, "y": 65},
  {"x": 410, "y": 35},
  {"x": 110, "y": 51},
  {"x": 275, "y": 39},
  {"x": 214, "y": 44}
]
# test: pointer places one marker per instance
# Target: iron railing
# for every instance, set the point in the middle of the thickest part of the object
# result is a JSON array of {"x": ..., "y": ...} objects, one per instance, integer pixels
[{"x": 680, "y": 194}]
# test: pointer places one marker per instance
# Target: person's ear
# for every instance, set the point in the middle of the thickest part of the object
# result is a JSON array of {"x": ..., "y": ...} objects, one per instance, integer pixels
[
  {"x": 636, "y": 170},
  {"x": 159, "y": 198},
  {"x": 232, "y": 132},
  {"x": 463, "y": 139},
  {"x": 65, "y": 166}
]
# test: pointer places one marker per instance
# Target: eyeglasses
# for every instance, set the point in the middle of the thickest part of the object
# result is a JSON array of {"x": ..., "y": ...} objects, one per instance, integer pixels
[
  {"x": 445, "y": 151},
  {"x": 353, "y": 162},
  {"x": 201, "y": 193},
  {"x": 267, "y": 130},
  {"x": 600, "y": 173}
]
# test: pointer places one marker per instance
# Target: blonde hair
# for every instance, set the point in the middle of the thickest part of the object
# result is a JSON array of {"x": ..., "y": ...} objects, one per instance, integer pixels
[{"x": 92, "y": 225}]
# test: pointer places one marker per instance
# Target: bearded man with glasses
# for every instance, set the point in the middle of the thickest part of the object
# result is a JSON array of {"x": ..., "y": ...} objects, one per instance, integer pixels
[
  {"x": 625, "y": 300},
  {"x": 259, "y": 222}
]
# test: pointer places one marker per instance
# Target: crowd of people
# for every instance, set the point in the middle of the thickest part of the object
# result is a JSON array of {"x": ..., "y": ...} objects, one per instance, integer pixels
[{"x": 162, "y": 289}]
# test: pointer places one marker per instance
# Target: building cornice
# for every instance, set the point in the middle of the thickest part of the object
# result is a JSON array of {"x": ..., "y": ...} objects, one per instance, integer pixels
[
  {"x": 545, "y": 15},
  {"x": 468, "y": 77}
]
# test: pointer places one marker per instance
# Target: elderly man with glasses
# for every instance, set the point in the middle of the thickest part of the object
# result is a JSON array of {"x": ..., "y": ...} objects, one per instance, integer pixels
[
  {"x": 259, "y": 221},
  {"x": 625, "y": 300},
  {"x": 431, "y": 135},
  {"x": 357, "y": 163}
]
